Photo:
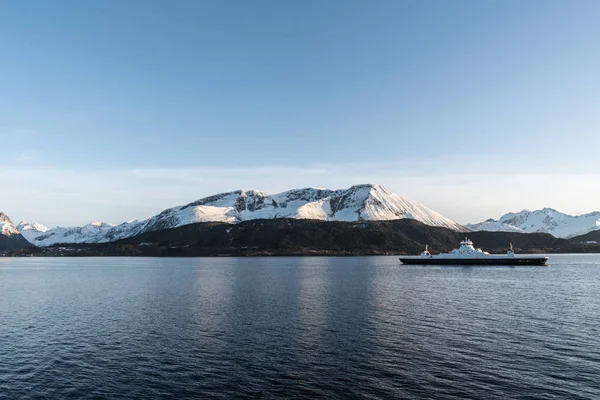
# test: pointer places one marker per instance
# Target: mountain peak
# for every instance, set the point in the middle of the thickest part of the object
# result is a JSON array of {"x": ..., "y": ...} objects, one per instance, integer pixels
[
  {"x": 252, "y": 192},
  {"x": 370, "y": 186},
  {"x": 546, "y": 220},
  {"x": 363, "y": 186},
  {"x": 100, "y": 224},
  {"x": 4, "y": 218},
  {"x": 549, "y": 210},
  {"x": 10, "y": 237},
  {"x": 26, "y": 226},
  {"x": 7, "y": 228}
]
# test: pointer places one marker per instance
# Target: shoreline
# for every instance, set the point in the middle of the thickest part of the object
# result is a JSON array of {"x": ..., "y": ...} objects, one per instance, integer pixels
[{"x": 85, "y": 254}]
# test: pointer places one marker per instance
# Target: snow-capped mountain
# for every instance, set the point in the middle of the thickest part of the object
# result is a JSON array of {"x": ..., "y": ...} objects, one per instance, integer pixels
[
  {"x": 546, "y": 220},
  {"x": 94, "y": 232},
  {"x": 30, "y": 231},
  {"x": 493, "y": 226},
  {"x": 7, "y": 228},
  {"x": 10, "y": 237},
  {"x": 361, "y": 202}
]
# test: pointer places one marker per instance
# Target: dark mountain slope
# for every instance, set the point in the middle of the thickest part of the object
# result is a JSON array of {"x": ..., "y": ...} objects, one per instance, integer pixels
[
  {"x": 593, "y": 236},
  {"x": 292, "y": 236},
  {"x": 13, "y": 242}
]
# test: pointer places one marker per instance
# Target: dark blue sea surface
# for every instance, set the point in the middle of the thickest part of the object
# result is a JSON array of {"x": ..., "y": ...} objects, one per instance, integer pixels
[{"x": 297, "y": 327}]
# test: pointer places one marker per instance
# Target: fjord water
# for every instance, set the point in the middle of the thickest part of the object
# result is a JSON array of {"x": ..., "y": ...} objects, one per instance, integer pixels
[{"x": 298, "y": 327}]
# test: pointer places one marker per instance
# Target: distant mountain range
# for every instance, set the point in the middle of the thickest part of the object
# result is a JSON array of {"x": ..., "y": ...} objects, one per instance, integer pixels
[
  {"x": 357, "y": 203},
  {"x": 290, "y": 236},
  {"x": 547, "y": 220}
]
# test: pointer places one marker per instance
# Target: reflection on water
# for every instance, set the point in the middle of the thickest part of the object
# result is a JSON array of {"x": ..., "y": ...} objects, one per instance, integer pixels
[{"x": 297, "y": 327}]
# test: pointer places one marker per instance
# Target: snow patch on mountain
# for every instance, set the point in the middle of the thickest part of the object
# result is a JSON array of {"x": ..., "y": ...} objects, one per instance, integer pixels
[
  {"x": 320, "y": 209},
  {"x": 546, "y": 220},
  {"x": 358, "y": 203}
]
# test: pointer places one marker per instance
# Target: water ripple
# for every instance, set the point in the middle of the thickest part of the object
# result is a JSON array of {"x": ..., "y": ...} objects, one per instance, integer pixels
[{"x": 297, "y": 328}]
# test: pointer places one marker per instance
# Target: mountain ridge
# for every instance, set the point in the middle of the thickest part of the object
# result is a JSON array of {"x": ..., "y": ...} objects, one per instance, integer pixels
[
  {"x": 545, "y": 220},
  {"x": 368, "y": 202},
  {"x": 303, "y": 237}
]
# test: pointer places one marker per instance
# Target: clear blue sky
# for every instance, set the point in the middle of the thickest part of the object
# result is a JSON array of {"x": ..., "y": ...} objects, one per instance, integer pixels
[{"x": 420, "y": 88}]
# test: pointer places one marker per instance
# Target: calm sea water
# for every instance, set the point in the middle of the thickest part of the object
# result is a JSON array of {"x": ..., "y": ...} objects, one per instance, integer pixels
[{"x": 356, "y": 327}]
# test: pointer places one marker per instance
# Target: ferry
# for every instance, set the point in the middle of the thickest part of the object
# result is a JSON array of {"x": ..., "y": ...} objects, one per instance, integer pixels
[{"x": 467, "y": 254}]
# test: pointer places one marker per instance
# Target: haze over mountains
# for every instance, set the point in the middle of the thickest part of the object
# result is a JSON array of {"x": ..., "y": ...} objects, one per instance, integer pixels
[{"x": 358, "y": 203}]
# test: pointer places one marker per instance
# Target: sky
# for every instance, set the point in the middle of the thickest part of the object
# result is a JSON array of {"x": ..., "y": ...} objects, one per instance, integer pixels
[{"x": 115, "y": 110}]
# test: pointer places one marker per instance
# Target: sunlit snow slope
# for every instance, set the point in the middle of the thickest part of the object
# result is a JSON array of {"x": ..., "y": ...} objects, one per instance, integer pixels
[{"x": 7, "y": 228}]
